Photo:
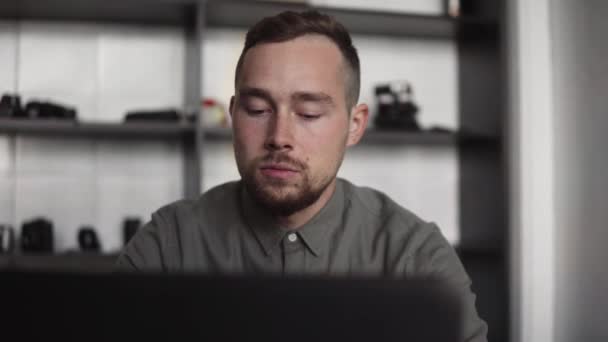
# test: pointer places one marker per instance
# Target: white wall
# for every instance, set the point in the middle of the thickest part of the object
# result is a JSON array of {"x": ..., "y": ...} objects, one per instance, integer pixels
[
  {"x": 580, "y": 75},
  {"x": 531, "y": 146},
  {"x": 559, "y": 74},
  {"x": 105, "y": 70}
]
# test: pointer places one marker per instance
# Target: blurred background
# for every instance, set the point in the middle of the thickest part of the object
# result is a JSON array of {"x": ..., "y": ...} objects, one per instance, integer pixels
[{"x": 488, "y": 118}]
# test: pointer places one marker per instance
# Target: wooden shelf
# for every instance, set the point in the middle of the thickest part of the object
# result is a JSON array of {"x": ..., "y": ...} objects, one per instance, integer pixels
[
  {"x": 236, "y": 13},
  {"x": 377, "y": 137},
  {"x": 243, "y": 14},
  {"x": 155, "y": 12},
  {"x": 373, "y": 136},
  {"x": 74, "y": 262},
  {"x": 218, "y": 134},
  {"x": 131, "y": 130}
]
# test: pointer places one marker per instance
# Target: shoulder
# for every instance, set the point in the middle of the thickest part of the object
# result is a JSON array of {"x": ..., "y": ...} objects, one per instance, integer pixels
[
  {"x": 378, "y": 205},
  {"x": 386, "y": 220},
  {"x": 213, "y": 203},
  {"x": 162, "y": 242}
]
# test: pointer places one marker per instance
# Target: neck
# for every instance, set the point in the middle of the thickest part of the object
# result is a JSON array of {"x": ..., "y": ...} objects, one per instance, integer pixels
[{"x": 300, "y": 218}]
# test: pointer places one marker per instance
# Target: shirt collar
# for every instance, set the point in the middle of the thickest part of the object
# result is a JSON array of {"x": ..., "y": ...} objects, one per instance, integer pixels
[{"x": 313, "y": 233}]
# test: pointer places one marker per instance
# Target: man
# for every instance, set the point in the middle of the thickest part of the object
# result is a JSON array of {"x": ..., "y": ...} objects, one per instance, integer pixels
[{"x": 294, "y": 113}]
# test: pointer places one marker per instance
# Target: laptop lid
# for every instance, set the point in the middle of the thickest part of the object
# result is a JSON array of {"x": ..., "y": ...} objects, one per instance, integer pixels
[{"x": 194, "y": 307}]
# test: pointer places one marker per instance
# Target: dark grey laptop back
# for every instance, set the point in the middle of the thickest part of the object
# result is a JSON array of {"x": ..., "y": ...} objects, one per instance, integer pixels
[{"x": 143, "y": 307}]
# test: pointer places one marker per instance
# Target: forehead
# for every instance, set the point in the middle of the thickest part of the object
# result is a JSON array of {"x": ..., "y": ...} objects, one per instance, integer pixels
[{"x": 306, "y": 63}]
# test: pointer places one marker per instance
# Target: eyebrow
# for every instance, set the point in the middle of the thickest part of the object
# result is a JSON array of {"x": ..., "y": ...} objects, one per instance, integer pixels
[
  {"x": 303, "y": 96},
  {"x": 300, "y": 96},
  {"x": 256, "y": 92}
]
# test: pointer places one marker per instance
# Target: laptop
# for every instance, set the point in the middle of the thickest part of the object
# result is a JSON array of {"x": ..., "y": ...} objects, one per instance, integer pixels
[{"x": 196, "y": 307}]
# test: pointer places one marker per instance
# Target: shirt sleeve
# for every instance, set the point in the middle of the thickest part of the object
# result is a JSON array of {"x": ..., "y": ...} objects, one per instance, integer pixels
[
  {"x": 437, "y": 258},
  {"x": 144, "y": 250}
]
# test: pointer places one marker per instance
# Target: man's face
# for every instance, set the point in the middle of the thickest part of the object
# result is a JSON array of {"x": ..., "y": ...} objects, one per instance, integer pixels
[{"x": 291, "y": 123}]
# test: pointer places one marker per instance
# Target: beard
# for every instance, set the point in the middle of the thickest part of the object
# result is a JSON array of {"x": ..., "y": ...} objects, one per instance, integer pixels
[{"x": 281, "y": 197}]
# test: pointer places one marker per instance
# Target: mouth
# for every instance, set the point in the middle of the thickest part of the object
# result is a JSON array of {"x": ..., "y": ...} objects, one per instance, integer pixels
[{"x": 280, "y": 171}]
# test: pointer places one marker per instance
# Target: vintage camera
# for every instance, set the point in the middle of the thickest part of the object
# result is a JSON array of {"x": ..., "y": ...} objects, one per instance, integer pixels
[
  {"x": 10, "y": 106},
  {"x": 396, "y": 109},
  {"x": 48, "y": 110},
  {"x": 161, "y": 115},
  {"x": 37, "y": 236},
  {"x": 88, "y": 240}
]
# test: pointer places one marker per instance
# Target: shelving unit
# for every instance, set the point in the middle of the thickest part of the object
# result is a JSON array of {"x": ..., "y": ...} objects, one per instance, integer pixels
[
  {"x": 71, "y": 262},
  {"x": 152, "y": 130},
  {"x": 481, "y": 155},
  {"x": 184, "y": 14},
  {"x": 379, "y": 137}
]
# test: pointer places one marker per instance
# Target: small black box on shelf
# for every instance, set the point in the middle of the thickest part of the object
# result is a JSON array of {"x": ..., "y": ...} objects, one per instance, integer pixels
[
  {"x": 48, "y": 110},
  {"x": 37, "y": 236},
  {"x": 88, "y": 240},
  {"x": 395, "y": 109},
  {"x": 162, "y": 115},
  {"x": 10, "y": 106}
]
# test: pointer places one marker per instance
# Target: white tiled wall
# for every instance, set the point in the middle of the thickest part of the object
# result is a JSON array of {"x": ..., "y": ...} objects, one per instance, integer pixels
[
  {"x": 139, "y": 68},
  {"x": 221, "y": 50},
  {"x": 410, "y": 6},
  {"x": 6, "y": 181},
  {"x": 8, "y": 41},
  {"x": 105, "y": 70},
  {"x": 219, "y": 166},
  {"x": 55, "y": 67}
]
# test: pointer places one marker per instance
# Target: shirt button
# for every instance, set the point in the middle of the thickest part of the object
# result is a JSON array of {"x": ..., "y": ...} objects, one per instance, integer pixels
[{"x": 292, "y": 237}]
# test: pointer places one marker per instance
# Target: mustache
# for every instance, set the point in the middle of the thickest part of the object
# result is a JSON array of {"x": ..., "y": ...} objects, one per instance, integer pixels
[{"x": 281, "y": 158}]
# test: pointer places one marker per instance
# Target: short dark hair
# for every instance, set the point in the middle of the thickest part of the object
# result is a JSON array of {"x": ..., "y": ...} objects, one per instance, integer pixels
[{"x": 290, "y": 25}]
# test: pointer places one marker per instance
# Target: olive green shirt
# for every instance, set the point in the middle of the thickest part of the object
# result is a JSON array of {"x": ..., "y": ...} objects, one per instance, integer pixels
[{"x": 360, "y": 231}]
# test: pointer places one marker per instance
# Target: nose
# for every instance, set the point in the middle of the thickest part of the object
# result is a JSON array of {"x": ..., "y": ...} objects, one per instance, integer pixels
[{"x": 279, "y": 133}]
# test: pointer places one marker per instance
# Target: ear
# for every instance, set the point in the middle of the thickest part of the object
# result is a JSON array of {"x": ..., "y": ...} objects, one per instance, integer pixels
[
  {"x": 231, "y": 107},
  {"x": 359, "y": 116}
]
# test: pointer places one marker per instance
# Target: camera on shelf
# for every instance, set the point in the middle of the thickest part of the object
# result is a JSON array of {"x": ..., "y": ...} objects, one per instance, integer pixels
[
  {"x": 88, "y": 240},
  {"x": 37, "y": 236},
  {"x": 10, "y": 107},
  {"x": 48, "y": 110},
  {"x": 159, "y": 115},
  {"x": 396, "y": 109}
]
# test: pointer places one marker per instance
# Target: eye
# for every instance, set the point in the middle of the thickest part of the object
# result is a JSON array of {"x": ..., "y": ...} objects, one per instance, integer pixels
[
  {"x": 255, "y": 112},
  {"x": 309, "y": 116}
]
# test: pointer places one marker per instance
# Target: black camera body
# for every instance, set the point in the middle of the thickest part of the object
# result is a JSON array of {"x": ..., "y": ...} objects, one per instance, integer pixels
[
  {"x": 48, "y": 110},
  {"x": 10, "y": 106},
  {"x": 395, "y": 107},
  {"x": 88, "y": 240},
  {"x": 37, "y": 236}
]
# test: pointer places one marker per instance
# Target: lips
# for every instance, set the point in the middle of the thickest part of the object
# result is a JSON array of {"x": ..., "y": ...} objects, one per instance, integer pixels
[
  {"x": 280, "y": 171},
  {"x": 279, "y": 167}
]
